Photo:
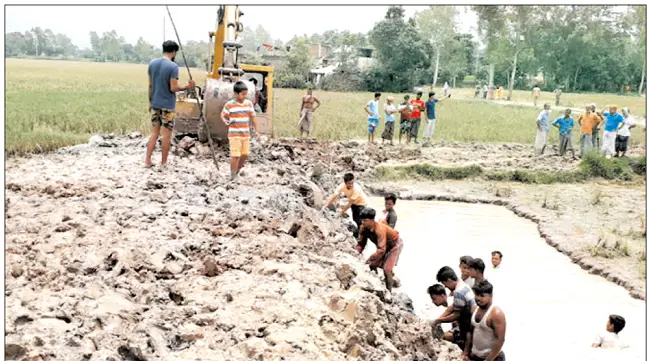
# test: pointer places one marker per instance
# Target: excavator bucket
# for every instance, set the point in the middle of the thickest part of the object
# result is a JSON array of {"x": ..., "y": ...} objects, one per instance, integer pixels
[{"x": 216, "y": 94}]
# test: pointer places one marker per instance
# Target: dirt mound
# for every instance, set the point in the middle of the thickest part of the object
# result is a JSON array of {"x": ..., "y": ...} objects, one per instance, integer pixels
[{"x": 109, "y": 261}]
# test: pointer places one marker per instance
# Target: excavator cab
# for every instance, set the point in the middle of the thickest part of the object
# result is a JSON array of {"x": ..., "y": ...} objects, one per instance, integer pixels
[{"x": 218, "y": 88}]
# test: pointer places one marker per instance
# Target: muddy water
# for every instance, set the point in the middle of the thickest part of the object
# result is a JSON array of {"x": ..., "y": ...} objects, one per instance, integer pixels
[{"x": 553, "y": 308}]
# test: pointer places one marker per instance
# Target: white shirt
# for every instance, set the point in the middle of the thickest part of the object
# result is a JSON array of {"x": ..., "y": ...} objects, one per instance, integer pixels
[
  {"x": 624, "y": 131},
  {"x": 609, "y": 340}
]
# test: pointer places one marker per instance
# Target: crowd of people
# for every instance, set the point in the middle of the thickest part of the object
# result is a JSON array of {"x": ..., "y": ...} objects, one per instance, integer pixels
[{"x": 615, "y": 126}]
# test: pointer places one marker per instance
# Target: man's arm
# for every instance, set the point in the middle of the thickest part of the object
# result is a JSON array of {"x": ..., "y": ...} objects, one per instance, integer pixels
[
  {"x": 555, "y": 123},
  {"x": 499, "y": 325},
  {"x": 597, "y": 342},
  {"x": 468, "y": 339},
  {"x": 303, "y": 103},
  {"x": 381, "y": 247},
  {"x": 318, "y": 104},
  {"x": 252, "y": 118},
  {"x": 224, "y": 115},
  {"x": 361, "y": 242},
  {"x": 150, "y": 92},
  {"x": 345, "y": 209},
  {"x": 368, "y": 111},
  {"x": 175, "y": 87},
  {"x": 392, "y": 219}
]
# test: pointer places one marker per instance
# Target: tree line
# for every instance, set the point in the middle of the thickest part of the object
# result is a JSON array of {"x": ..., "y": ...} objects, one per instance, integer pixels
[{"x": 577, "y": 48}]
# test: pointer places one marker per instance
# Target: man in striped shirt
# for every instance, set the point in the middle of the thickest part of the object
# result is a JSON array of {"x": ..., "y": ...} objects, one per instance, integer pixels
[{"x": 237, "y": 114}]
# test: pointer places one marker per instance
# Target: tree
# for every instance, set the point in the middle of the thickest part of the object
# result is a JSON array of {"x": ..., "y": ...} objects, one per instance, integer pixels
[
  {"x": 506, "y": 29},
  {"x": 14, "y": 44},
  {"x": 400, "y": 51},
  {"x": 438, "y": 25}
]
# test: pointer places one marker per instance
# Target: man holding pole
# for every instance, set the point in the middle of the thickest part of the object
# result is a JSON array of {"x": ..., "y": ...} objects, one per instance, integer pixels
[{"x": 163, "y": 75}]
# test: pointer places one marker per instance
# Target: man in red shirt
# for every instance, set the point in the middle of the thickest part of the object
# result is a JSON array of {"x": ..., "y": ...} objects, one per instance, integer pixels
[{"x": 418, "y": 107}]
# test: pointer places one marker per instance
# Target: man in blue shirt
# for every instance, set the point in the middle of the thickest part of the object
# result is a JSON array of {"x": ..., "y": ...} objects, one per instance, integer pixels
[
  {"x": 565, "y": 125},
  {"x": 163, "y": 74},
  {"x": 372, "y": 109},
  {"x": 543, "y": 126},
  {"x": 430, "y": 109},
  {"x": 612, "y": 122}
]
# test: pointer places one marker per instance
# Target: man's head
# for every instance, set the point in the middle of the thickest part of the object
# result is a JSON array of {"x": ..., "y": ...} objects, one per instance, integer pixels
[
  {"x": 240, "y": 91},
  {"x": 447, "y": 277},
  {"x": 588, "y": 108},
  {"x": 438, "y": 294},
  {"x": 431, "y": 95},
  {"x": 170, "y": 49},
  {"x": 406, "y": 98},
  {"x": 389, "y": 201},
  {"x": 615, "y": 324},
  {"x": 613, "y": 109},
  {"x": 496, "y": 258},
  {"x": 593, "y": 106},
  {"x": 476, "y": 268},
  {"x": 567, "y": 112},
  {"x": 419, "y": 95},
  {"x": 349, "y": 180},
  {"x": 483, "y": 293},
  {"x": 309, "y": 92},
  {"x": 547, "y": 106},
  {"x": 378, "y": 95},
  {"x": 389, "y": 99},
  {"x": 625, "y": 112},
  {"x": 367, "y": 215},
  {"x": 463, "y": 265}
]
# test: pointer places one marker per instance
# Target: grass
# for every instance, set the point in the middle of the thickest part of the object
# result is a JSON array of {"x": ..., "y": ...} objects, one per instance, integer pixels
[
  {"x": 609, "y": 246},
  {"x": 50, "y": 104},
  {"x": 592, "y": 166}
]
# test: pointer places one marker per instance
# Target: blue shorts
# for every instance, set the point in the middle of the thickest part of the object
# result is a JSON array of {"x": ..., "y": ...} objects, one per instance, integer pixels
[{"x": 372, "y": 124}]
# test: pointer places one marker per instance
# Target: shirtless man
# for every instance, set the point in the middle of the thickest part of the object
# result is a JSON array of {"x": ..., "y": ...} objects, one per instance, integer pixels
[
  {"x": 387, "y": 240},
  {"x": 487, "y": 332},
  {"x": 535, "y": 94},
  {"x": 307, "y": 108}
]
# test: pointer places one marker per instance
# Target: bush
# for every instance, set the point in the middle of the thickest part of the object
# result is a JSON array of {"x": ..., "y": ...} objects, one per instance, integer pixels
[{"x": 292, "y": 81}]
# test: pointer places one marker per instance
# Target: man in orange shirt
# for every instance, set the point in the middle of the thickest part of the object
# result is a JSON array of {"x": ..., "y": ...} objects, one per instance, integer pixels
[
  {"x": 418, "y": 107},
  {"x": 587, "y": 121},
  {"x": 387, "y": 240}
]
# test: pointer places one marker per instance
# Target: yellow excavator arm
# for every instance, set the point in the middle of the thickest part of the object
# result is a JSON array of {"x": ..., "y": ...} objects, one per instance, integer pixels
[{"x": 226, "y": 36}]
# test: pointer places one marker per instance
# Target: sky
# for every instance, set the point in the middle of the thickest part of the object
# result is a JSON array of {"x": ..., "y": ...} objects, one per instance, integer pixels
[{"x": 195, "y": 22}]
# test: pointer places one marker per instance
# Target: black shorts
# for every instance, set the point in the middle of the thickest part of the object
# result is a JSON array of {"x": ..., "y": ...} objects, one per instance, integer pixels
[
  {"x": 621, "y": 143},
  {"x": 500, "y": 357},
  {"x": 458, "y": 338},
  {"x": 355, "y": 211}
]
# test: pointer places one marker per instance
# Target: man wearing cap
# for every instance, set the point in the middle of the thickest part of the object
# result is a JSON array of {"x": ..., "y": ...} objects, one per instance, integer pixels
[
  {"x": 387, "y": 240},
  {"x": 612, "y": 122}
]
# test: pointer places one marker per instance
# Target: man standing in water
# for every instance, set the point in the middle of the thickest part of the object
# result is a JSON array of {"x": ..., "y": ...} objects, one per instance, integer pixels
[
  {"x": 459, "y": 312},
  {"x": 387, "y": 240},
  {"x": 356, "y": 199},
  {"x": 488, "y": 325},
  {"x": 389, "y": 217},
  {"x": 496, "y": 259},
  {"x": 465, "y": 270},
  {"x": 416, "y": 115},
  {"x": 543, "y": 127},
  {"x": 307, "y": 108},
  {"x": 372, "y": 109},
  {"x": 163, "y": 74},
  {"x": 476, "y": 268}
]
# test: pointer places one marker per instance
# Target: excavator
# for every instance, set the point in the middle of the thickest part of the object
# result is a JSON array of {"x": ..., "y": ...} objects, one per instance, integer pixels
[{"x": 223, "y": 71}]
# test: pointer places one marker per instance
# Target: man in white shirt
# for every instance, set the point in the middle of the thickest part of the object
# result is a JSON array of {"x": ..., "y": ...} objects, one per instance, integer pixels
[
  {"x": 610, "y": 338},
  {"x": 622, "y": 137}
]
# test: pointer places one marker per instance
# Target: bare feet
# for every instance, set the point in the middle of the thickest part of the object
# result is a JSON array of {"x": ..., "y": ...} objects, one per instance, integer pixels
[{"x": 148, "y": 164}]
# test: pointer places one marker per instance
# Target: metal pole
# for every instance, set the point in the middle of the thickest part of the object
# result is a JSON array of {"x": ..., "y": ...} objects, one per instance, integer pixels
[
  {"x": 164, "y": 29},
  {"x": 197, "y": 98}
]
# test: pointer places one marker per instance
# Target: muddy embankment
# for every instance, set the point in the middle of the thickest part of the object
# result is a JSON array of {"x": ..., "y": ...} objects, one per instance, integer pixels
[{"x": 106, "y": 260}]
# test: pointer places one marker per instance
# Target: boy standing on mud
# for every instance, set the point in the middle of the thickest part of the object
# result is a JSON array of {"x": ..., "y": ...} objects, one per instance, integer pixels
[
  {"x": 356, "y": 199},
  {"x": 565, "y": 125},
  {"x": 237, "y": 114},
  {"x": 387, "y": 240}
]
